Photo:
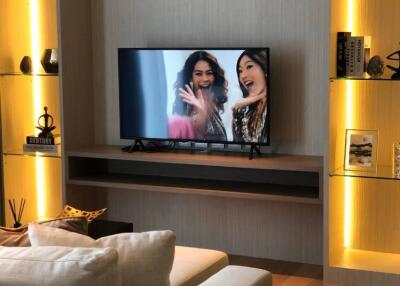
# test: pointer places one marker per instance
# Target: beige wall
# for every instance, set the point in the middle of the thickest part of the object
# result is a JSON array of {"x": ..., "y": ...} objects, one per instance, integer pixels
[{"x": 297, "y": 31}]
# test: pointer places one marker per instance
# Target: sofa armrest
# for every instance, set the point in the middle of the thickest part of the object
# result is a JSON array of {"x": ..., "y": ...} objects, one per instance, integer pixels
[{"x": 194, "y": 265}]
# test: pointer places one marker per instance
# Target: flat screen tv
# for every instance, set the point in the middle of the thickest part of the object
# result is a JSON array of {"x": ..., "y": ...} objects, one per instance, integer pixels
[{"x": 199, "y": 95}]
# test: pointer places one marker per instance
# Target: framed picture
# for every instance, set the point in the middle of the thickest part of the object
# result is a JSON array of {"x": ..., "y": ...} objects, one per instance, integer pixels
[{"x": 360, "y": 151}]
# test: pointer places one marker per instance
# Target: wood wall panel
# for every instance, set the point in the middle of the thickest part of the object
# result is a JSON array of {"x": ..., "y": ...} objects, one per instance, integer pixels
[
  {"x": 17, "y": 107},
  {"x": 76, "y": 72},
  {"x": 296, "y": 32},
  {"x": 375, "y": 215},
  {"x": 269, "y": 229},
  {"x": 15, "y": 33},
  {"x": 374, "y": 108},
  {"x": 20, "y": 182},
  {"x": 371, "y": 18},
  {"x": 374, "y": 211}
]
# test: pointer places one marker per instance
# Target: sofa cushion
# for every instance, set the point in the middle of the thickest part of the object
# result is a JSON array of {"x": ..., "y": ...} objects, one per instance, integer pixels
[
  {"x": 48, "y": 266},
  {"x": 234, "y": 275},
  {"x": 145, "y": 259},
  {"x": 194, "y": 265},
  {"x": 19, "y": 236}
]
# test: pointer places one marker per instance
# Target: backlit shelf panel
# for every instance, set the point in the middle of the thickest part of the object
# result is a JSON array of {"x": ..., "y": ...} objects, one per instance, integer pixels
[
  {"x": 381, "y": 172},
  {"x": 367, "y": 260},
  {"x": 32, "y": 154},
  {"x": 383, "y": 78},
  {"x": 26, "y": 74}
]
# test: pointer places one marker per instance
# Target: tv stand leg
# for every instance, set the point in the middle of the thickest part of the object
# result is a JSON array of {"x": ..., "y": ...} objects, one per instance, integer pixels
[
  {"x": 137, "y": 145},
  {"x": 252, "y": 148}
]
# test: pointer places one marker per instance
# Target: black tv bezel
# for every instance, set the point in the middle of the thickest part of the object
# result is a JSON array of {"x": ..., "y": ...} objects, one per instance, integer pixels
[{"x": 267, "y": 119}]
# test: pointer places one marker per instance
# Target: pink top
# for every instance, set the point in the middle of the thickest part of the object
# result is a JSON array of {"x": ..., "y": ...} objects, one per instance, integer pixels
[{"x": 180, "y": 127}]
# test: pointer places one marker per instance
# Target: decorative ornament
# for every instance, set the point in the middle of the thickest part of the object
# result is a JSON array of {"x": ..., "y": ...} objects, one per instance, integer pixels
[
  {"x": 26, "y": 65},
  {"x": 48, "y": 125},
  {"x": 49, "y": 60},
  {"x": 375, "y": 66},
  {"x": 395, "y": 56}
]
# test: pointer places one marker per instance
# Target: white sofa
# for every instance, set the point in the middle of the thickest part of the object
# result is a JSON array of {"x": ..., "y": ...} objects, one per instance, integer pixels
[
  {"x": 59, "y": 257},
  {"x": 206, "y": 267}
]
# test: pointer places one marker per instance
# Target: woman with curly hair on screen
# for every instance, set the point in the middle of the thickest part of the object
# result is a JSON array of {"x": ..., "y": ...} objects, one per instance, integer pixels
[{"x": 201, "y": 91}]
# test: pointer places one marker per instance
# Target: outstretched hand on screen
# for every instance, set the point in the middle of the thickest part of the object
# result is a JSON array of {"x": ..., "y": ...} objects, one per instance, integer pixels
[
  {"x": 197, "y": 102},
  {"x": 249, "y": 99}
]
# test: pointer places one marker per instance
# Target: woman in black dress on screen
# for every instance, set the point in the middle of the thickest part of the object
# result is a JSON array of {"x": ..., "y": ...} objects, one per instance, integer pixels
[{"x": 250, "y": 113}]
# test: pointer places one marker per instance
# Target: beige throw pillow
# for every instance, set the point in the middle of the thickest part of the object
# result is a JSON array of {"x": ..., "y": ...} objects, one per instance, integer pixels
[
  {"x": 19, "y": 236},
  {"x": 52, "y": 266},
  {"x": 144, "y": 259}
]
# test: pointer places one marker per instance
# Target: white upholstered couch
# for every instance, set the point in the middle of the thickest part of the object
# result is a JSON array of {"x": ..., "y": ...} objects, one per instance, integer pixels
[{"x": 59, "y": 257}]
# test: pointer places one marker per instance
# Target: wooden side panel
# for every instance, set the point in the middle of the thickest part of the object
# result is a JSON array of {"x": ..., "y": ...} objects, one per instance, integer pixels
[{"x": 78, "y": 98}]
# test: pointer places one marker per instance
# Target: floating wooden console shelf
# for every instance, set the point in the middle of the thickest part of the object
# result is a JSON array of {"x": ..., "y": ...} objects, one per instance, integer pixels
[{"x": 279, "y": 177}]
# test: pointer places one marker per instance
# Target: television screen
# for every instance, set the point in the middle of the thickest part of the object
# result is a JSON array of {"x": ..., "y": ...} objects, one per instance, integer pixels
[{"x": 213, "y": 95}]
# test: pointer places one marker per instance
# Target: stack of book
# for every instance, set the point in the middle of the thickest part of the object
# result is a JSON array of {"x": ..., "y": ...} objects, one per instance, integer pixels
[
  {"x": 353, "y": 54},
  {"x": 42, "y": 144}
]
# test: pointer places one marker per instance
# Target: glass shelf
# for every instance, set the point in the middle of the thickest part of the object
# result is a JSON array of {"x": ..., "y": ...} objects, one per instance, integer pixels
[
  {"x": 367, "y": 77},
  {"x": 32, "y": 154},
  {"x": 26, "y": 74},
  {"x": 382, "y": 172}
]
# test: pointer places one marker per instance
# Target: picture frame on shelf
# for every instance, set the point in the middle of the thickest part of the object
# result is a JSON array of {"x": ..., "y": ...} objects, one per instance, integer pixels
[{"x": 361, "y": 150}]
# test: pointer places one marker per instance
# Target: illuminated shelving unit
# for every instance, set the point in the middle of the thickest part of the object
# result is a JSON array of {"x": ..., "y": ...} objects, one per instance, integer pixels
[
  {"x": 363, "y": 216},
  {"x": 27, "y": 28}
]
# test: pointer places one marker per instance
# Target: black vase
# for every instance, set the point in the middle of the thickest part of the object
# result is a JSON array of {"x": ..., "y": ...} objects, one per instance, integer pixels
[
  {"x": 26, "y": 65},
  {"x": 49, "y": 61}
]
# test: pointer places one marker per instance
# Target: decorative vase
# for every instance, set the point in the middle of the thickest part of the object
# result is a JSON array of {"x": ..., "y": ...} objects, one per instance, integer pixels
[
  {"x": 26, "y": 65},
  {"x": 375, "y": 67},
  {"x": 49, "y": 60}
]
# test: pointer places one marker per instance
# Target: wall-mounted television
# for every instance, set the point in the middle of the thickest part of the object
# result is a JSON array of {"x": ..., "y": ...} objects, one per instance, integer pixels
[{"x": 199, "y": 95}]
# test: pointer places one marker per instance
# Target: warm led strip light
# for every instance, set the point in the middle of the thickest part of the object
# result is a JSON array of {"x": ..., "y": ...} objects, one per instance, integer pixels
[
  {"x": 348, "y": 183},
  {"x": 37, "y": 104}
]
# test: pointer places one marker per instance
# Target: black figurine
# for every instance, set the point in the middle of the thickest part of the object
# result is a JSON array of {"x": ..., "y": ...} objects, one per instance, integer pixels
[
  {"x": 47, "y": 127},
  {"x": 393, "y": 57}
]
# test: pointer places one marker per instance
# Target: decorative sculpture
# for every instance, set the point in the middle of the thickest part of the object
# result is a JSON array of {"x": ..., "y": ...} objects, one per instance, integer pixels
[
  {"x": 393, "y": 57},
  {"x": 47, "y": 127},
  {"x": 375, "y": 66}
]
